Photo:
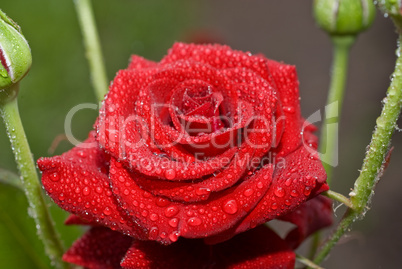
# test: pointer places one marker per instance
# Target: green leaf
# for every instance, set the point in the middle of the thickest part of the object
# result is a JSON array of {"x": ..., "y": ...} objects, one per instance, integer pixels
[
  {"x": 10, "y": 178},
  {"x": 20, "y": 246}
]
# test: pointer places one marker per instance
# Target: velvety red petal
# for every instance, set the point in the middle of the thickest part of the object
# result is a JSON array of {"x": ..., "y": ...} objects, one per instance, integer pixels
[
  {"x": 75, "y": 220},
  {"x": 195, "y": 191},
  {"x": 310, "y": 217},
  {"x": 118, "y": 109},
  {"x": 262, "y": 95},
  {"x": 287, "y": 84},
  {"x": 165, "y": 221},
  {"x": 78, "y": 182},
  {"x": 138, "y": 62},
  {"x": 297, "y": 178},
  {"x": 259, "y": 248},
  {"x": 217, "y": 56},
  {"x": 99, "y": 248}
]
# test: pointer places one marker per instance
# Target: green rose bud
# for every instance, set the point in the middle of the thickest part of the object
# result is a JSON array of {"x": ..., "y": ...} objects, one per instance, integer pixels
[
  {"x": 15, "y": 54},
  {"x": 344, "y": 17}
]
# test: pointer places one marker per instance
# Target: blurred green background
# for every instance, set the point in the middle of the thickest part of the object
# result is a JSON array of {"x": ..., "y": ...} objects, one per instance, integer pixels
[{"x": 282, "y": 30}]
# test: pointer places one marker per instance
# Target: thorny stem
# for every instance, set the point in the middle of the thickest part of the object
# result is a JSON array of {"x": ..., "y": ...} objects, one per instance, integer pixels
[
  {"x": 375, "y": 157},
  {"x": 338, "y": 197},
  {"x": 23, "y": 156},
  {"x": 92, "y": 47}
]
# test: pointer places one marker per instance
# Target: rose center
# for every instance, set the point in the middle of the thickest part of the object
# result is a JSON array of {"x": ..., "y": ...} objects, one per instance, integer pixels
[{"x": 199, "y": 109}]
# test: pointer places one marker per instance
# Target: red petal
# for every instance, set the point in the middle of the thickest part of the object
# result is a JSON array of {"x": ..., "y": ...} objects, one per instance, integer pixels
[
  {"x": 118, "y": 106},
  {"x": 287, "y": 84},
  {"x": 309, "y": 218},
  {"x": 218, "y": 56},
  {"x": 75, "y": 220},
  {"x": 259, "y": 248},
  {"x": 78, "y": 182},
  {"x": 138, "y": 62},
  {"x": 99, "y": 248},
  {"x": 189, "y": 191},
  {"x": 297, "y": 178},
  {"x": 165, "y": 221}
]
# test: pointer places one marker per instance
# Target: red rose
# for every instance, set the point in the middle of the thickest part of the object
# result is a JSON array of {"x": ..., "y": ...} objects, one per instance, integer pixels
[{"x": 207, "y": 143}]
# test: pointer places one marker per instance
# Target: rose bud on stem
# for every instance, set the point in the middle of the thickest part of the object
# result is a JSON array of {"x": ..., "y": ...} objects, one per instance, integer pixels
[
  {"x": 376, "y": 158},
  {"x": 343, "y": 20},
  {"x": 15, "y": 62}
]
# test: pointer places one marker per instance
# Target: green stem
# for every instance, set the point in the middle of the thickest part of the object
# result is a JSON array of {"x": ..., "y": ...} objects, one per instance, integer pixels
[
  {"x": 329, "y": 137},
  {"x": 375, "y": 156},
  {"x": 307, "y": 262},
  {"x": 338, "y": 197},
  {"x": 381, "y": 139},
  {"x": 29, "y": 177},
  {"x": 92, "y": 47},
  {"x": 347, "y": 220},
  {"x": 328, "y": 141}
]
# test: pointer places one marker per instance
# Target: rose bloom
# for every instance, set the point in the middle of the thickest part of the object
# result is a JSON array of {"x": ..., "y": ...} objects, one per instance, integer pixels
[{"x": 189, "y": 157}]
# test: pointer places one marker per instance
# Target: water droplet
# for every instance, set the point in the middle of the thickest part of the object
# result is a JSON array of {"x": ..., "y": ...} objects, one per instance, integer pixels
[
  {"x": 279, "y": 192},
  {"x": 294, "y": 193},
  {"x": 174, "y": 236},
  {"x": 170, "y": 174},
  {"x": 86, "y": 191},
  {"x": 307, "y": 191},
  {"x": 194, "y": 221},
  {"x": 248, "y": 192},
  {"x": 171, "y": 211},
  {"x": 230, "y": 207},
  {"x": 289, "y": 109},
  {"x": 162, "y": 202},
  {"x": 153, "y": 233},
  {"x": 154, "y": 217},
  {"x": 260, "y": 185},
  {"x": 55, "y": 177},
  {"x": 174, "y": 222},
  {"x": 202, "y": 191},
  {"x": 107, "y": 211},
  {"x": 81, "y": 154}
]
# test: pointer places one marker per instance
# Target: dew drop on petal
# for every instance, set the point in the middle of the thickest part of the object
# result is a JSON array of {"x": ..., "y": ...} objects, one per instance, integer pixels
[
  {"x": 294, "y": 193},
  {"x": 107, "y": 211},
  {"x": 174, "y": 236},
  {"x": 170, "y": 174},
  {"x": 171, "y": 211},
  {"x": 86, "y": 191},
  {"x": 174, "y": 222},
  {"x": 162, "y": 202},
  {"x": 202, "y": 191},
  {"x": 194, "y": 221},
  {"x": 248, "y": 192},
  {"x": 55, "y": 177},
  {"x": 307, "y": 191},
  {"x": 154, "y": 217},
  {"x": 153, "y": 233},
  {"x": 230, "y": 207},
  {"x": 279, "y": 192}
]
